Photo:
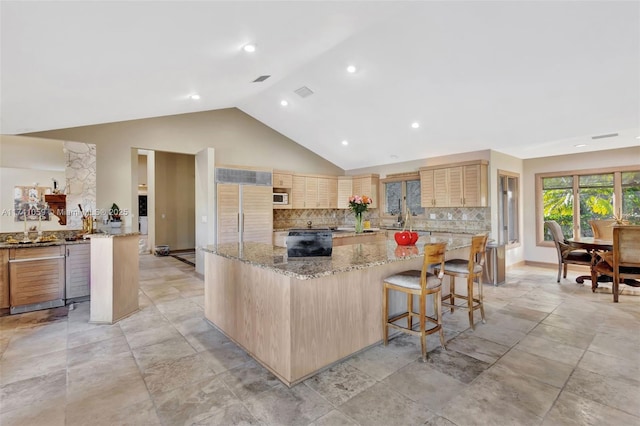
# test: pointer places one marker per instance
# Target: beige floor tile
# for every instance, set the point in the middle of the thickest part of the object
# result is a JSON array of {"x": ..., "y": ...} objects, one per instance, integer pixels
[
  {"x": 484, "y": 350},
  {"x": 299, "y": 405},
  {"x": 33, "y": 391},
  {"x": 50, "y": 412},
  {"x": 545, "y": 370},
  {"x": 334, "y": 418},
  {"x": 380, "y": 405},
  {"x": 169, "y": 374},
  {"x": 379, "y": 362},
  {"x": 573, "y": 410},
  {"x": 340, "y": 383},
  {"x": 166, "y": 350},
  {"x": 550, "y": 349},
  {"x": 20, "y": 368}
]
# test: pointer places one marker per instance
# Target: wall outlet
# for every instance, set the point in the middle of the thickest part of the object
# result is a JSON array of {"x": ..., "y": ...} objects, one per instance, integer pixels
[
  {"x": 432, "y": 216},
  {"x": 464, "y": 216},
  {"x": 449, "y": 216}
]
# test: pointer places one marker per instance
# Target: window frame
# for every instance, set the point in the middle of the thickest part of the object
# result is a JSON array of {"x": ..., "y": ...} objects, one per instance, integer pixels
[
  {"x": 505, "y": 173},
  {"x": 617, "y": 195},
  {"x": 397, "y": 177}
]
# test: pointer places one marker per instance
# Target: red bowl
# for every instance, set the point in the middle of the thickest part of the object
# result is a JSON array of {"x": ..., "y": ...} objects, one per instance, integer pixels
[
  {"x": 414, "y": 237},
  {"x": 403, "y": 238}
]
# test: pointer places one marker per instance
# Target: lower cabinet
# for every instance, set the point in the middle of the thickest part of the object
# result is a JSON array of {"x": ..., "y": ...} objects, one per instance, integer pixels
[
  {"x": 78, "y": 271},
  {"x": 36, "y": 275},
  {"x": 4, "y": 279}
]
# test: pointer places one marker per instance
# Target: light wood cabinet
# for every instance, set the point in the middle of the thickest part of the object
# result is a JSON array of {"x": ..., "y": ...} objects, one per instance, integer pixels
[
  {"x": 4, "y": 278},
  {"x": 245, "y": 213},
  {"x": 298, "y": 192},
  {"x": 282, "y": 180},
  {"x": 314, "y": 192},
  {"x": 78, "y": 271},
  {"x": 358, "y": 185},
  {"x": 463, "y": 185},
  {"x": 345, "y": 190},
  {"x": 36, "y": 275}
]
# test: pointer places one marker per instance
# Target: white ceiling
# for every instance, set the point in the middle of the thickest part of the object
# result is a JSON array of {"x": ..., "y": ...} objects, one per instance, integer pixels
[{"x": 528, "y": 79}]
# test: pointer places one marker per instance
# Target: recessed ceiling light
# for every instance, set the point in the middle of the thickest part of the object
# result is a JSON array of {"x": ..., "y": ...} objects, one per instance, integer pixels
[
  {"x": 249, "y": 48},
  {"x": 581, "y": 145},
  {"x": 351, "y": 69},
  {"x": 393, "y": 156},
  {"x": 195, "y": 97},
  {"x": 637, "y": 137},
  {"x": 345, "y": 142},
  {"x": 284, "y": 102},
  {"x": 415, "y": 124}
]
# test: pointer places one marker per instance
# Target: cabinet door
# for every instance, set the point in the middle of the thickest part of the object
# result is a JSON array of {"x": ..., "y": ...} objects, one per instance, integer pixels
[
  {"x": 36, "y": 275},
  {"x": 311, "y": 192},
  {"x": 323, "y": 193},
  {"x": 78, "y": 270},
  {"x": 427, "y": 196},
  {"x": 475, "y": 186},
  {"x": 358, "y": 187},
  {"x": 282, "y": 180},
  {"x": 455, "y": 186},
  {"x": 257, "y": 214},
  {"x": 4, "y": 278},
  {"x": 298, "y": 192},
  {"x": 440, "y": 188},
  {"x": 228, "y": 213},
  {"x": 332, "y": 190},
  {"x": 345, "y": 190}
]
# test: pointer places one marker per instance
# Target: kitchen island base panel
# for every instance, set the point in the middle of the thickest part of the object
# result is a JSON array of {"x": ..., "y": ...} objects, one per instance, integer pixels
[
  {"x": 297, "y": 327},
  {"x": 114, "y": 278}
]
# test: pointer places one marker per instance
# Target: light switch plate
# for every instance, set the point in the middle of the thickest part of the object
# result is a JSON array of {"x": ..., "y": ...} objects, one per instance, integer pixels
[
  {"x": 204, "y": 219},
  {"x": 432, "y": 216}
]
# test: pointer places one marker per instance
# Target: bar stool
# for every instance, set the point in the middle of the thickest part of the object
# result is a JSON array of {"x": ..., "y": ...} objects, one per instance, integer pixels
[
  {"x": 421, "y": 284},
  {"x": 470, "y": 269}
]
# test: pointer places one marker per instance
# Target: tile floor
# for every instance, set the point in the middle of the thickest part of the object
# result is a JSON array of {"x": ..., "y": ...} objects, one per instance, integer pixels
[{"x": 549, "y": 354}]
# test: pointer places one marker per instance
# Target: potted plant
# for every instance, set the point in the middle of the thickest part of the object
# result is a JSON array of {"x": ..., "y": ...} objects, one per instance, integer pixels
[{"x": 114, "y": 216}]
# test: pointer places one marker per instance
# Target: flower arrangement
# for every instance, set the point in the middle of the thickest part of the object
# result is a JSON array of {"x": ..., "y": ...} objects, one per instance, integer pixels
[{"x": 359, "y": 204}]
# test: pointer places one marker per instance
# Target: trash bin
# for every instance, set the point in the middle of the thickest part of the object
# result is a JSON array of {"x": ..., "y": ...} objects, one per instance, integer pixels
[
  {"x": 161, "y": 251},
  {"x": 494, "y": 271}
]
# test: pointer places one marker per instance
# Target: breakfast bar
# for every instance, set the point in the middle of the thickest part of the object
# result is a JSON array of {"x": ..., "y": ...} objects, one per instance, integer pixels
[{"x": 297, "y": 316}]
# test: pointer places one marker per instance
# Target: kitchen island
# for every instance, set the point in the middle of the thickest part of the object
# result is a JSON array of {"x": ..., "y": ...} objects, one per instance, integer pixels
[{"x": 298, "y": 316}]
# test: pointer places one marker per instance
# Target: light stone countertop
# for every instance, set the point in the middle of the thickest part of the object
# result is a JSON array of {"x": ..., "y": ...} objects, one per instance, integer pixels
[
  {"x": 58, "y": 242},
  {"x": 344, "y": 258}
]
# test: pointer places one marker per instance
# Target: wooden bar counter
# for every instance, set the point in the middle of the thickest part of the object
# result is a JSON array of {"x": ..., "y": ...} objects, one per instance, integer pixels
[{"x": 298, "y": 316}]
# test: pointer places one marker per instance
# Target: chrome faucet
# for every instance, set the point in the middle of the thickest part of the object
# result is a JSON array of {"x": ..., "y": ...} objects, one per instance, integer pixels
[{"x": 309, "y": 224}]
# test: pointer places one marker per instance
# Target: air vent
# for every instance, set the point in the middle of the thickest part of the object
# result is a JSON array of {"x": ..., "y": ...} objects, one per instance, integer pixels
[
  {"x": 610, "y": 135},
  {"x": 304, "y": 91},
  {"x": 261, "y": 78},
  {"x": 246, "y": 177}
]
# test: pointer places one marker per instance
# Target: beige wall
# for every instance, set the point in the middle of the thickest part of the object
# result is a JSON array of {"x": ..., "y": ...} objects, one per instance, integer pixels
[
  {"x": 238, "y": 139},
  {"x": 175, "y": 200}
]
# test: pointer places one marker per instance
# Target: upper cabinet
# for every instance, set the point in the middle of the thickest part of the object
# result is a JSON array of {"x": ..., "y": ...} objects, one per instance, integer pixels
[
  {"x": 358, "y": 185},
  {"x": 282, "y": 179},
  {"x": 455, "y": 185},
  {"x": 314, "y": 192}
]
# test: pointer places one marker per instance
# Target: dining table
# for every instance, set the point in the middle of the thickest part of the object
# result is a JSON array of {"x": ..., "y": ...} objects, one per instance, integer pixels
[{"x": 593, "y": 246}]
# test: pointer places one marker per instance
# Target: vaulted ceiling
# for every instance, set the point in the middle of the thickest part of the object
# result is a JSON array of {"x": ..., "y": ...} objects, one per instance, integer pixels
[{"x": 528, "y": 79}]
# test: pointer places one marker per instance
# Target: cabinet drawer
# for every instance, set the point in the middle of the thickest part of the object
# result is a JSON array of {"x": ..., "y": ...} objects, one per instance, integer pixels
[{"x": 35, "y": 252}]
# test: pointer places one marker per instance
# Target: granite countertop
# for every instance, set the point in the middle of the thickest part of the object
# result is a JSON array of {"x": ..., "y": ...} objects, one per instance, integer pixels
[
  {"x": 110, "y": 232},
  {"x": 344, "y": 258},
  {"x": 58, "y": 242}
]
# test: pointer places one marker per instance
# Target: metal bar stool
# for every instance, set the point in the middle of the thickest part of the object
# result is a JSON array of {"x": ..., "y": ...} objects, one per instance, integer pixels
[
  {"x": 471, "y": 269},
  {"x": 421, "y": 284}
]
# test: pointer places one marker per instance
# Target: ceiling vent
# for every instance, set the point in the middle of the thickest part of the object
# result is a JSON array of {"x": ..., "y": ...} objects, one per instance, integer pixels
[
  {"x": 304, "y": 91},
  {"x": 261, "y": 78},
  {"x": 610, "y": 135}
]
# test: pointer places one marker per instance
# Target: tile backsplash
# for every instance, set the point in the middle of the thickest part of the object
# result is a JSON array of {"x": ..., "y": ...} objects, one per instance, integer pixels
[{"x": 458, "y": 219}]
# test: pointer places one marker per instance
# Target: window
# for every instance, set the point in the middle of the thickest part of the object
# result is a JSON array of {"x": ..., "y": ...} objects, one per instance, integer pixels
[
  {"x": 573, "y": 199},
  {"x": 509, "y": 194},
  {"x": 631, "y": 197},
  {"x": 397, "y": 190}
]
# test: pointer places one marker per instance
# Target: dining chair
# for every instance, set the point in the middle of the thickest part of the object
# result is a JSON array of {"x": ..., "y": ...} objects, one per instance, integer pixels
[
  {"x": 623, "y": 262},
  {"x": 567, "y": 254},
  {"x": 602, "y": 228},
  {"x": 471, "y": 269},
  {"x": 417, "y": 283}
]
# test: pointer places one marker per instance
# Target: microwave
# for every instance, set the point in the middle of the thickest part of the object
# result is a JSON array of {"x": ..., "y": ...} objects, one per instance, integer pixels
[{"x": 280, "y": 198}]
